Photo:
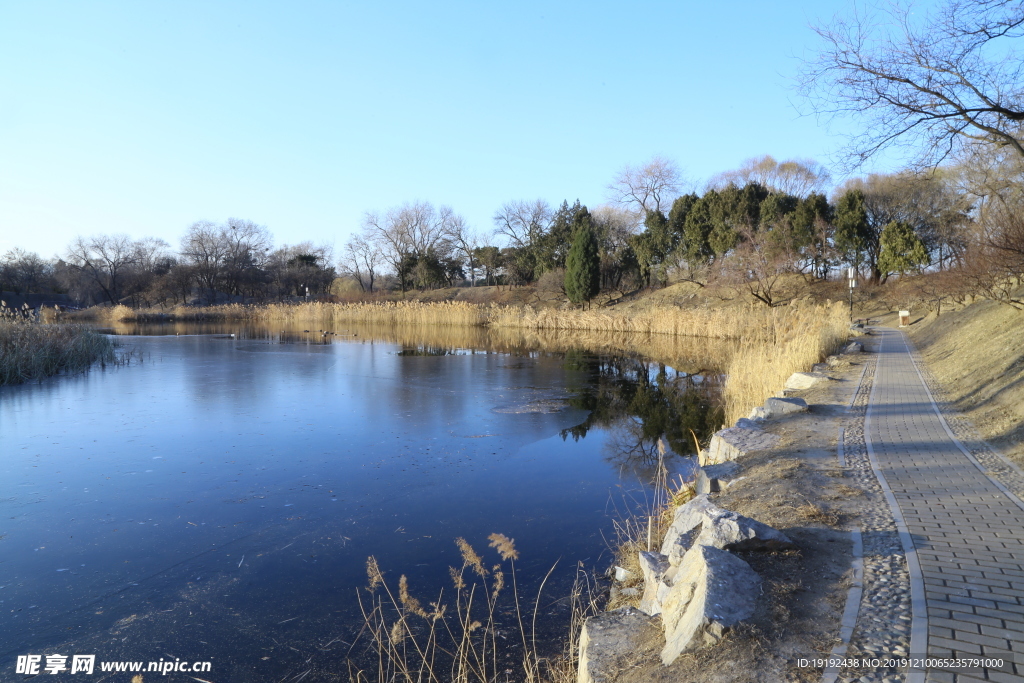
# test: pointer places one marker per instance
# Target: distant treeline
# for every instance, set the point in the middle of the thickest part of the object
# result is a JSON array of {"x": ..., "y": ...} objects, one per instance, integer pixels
[{"x": 748, "y": 228}]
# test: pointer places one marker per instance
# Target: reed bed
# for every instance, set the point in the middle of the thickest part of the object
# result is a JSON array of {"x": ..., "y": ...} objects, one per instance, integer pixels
[
  {"x": 695, "y": 322},
  {"x": 314, "y": 313},
  {"x": 794, "y": 339},
  {"x": 32, "y": 350},
  {"x": 720, "y": 323}
]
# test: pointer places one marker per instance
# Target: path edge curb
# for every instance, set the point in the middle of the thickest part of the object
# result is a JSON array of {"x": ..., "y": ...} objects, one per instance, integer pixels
[{"x": 918, "y": 606}]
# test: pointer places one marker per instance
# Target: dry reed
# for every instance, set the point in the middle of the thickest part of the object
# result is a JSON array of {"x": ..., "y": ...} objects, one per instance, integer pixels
[
  {"x": 32, "y": 350},
  {"x": 733, "y": 323},
  {"x": 463, "y": 638},
  {"x": 793, "y": 339}
]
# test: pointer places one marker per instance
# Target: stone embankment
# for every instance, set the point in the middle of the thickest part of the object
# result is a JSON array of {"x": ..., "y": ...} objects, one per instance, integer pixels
[{"x": 695, "y": 588}]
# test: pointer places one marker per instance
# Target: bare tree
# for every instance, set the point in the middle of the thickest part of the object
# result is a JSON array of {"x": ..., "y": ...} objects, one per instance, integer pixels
[
  {"x": 361, "y": 260},
  {"x": 204, "y": 252},
  {"x": 104, "y": 260},
  {"x": 648, "y": 187},
  {"x": 24, "y": 272},
  {"x": 405, "y": 234},
  {"x": 302, "y": 268},
  {"x": 758, "y": 263},
  {"x": 230, "y": 257},
  {"x": 465, "y": 242},
  {"x": 153, "y": 260},
  {"x": 247, "y": 247},
  {"x": 936, "y": 83},
  {"x": 523, "y": 222},
  {"x": 613, "y": 226},
  {"x": 797, "y": 177}
]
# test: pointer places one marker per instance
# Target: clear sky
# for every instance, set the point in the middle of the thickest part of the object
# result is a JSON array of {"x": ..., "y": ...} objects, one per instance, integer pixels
[{"x": 143, "y": 117}]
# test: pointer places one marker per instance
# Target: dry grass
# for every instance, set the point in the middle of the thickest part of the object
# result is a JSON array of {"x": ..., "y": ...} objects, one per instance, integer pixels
[
  {"x": 635, "y": 533},
  {"x": 483, "y": 633},
  {"x": 32, "y": 350},
  {"x": 791, "y": 339},
  {"x": 816, "y": 512}
]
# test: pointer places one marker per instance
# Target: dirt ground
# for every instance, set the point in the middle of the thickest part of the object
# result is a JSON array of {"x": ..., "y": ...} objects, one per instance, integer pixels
[{"x": 799, "y": 488}]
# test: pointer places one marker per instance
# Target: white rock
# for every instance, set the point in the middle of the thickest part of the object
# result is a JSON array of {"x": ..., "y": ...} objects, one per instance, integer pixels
[
  {"x": 712, "y": 591},
  {"x": 654, "y": 566},
  {"x": 777, "y": 407},
  {"x": 853, "y": 347},
  {"x": 735, "y": 442},
  {"x": 726, "y": 471},
  {"x": 701, "y": 522},
  {"x": 804, "y": 380},
  {"x": 609, "y": 643}
]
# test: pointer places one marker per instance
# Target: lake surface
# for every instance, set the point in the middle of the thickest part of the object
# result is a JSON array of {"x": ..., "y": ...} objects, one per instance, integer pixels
[{"x": 218, "y": 497}]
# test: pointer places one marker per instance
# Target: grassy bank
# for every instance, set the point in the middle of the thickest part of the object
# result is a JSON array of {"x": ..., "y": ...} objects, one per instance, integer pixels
[
  {"x": 33, "y": 350},
  {"x": 977, "y": 354}
]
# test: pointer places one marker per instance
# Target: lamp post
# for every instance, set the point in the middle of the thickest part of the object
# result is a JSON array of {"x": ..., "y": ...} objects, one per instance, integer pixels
[{"x": 852, "y": 277}]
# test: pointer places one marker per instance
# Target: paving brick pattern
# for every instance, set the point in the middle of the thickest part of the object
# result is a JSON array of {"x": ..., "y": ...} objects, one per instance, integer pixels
[{"x": 968, "y": 534}]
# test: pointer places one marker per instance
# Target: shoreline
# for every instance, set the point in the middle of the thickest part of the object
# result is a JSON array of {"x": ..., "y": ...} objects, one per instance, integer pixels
[{"x": 801, "y": 488}]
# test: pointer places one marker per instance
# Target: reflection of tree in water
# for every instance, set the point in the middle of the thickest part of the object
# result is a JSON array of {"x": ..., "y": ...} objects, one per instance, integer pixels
[
  {"x": 640, "y": 402},
  {"x": 427, "y": 350}
]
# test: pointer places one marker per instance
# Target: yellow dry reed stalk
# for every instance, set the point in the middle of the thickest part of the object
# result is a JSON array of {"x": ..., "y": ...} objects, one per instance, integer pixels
[
  {"x": 795, "y": 339},
  {"x": 697, "y": 322},
  {"x": 30, "y": 350}
]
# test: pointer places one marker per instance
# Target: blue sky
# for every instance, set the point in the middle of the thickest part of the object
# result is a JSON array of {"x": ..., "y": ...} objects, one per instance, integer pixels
[{"x": 141, "y": 118}]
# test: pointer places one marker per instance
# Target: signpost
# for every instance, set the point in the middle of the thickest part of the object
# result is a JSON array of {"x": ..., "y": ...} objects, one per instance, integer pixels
[{"x": 852, "y": 276}]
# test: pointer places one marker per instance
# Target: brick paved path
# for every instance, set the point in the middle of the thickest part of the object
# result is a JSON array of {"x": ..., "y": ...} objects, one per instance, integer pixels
[{"x": 967, "y": 532}]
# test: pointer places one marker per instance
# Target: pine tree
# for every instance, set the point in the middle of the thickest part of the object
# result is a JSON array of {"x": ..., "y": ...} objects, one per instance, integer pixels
[
  {"x": 583, "y": 264},
  {"x": 902, "y": 250},
  {"x": 851, "y": 227}
]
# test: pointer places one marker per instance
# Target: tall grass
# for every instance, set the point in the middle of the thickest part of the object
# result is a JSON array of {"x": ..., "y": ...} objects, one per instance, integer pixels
[
  {"x": 33, "y": 350},
  {"x": 731, "y": 323},
  {"x": 792, "y": 339},
  {"x": 484, "y": 632},
  {"x": 313, "y": 313}
]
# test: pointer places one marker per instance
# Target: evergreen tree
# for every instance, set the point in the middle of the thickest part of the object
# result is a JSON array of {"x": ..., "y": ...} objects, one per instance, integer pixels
[
  {"x": 551, "y": 248},
  {"x": 583, "y": 263},
  {"x": 852, "y": 232},
  {"x": 901, "y": 250},
  {"x": 697, "y": 229}
]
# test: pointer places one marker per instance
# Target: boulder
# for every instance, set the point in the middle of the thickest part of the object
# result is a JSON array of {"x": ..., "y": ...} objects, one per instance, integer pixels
[
  {"x": 726, "y": 471},
  {"x": 804, "y": 380},
  {"x": 654, "y": 565},
  {"x": 704, "y": 484},
  {"x": 747, "y": 423},
  {"x": 712, "y": 591},
  {"x": 854, "y": 347},
  {"x": 701, "y": 522},
  {"x": 777, "y": 407},
  {"x": 717, "y": 478},
  {"x": 735, "y": 442},
  {"x": 610, "y": 643}
]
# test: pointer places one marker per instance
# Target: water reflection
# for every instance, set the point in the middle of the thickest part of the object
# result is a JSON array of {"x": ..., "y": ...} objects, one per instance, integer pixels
[
  {"x": 219, "y": 500},
  {"x": 638, "y": 403}
]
